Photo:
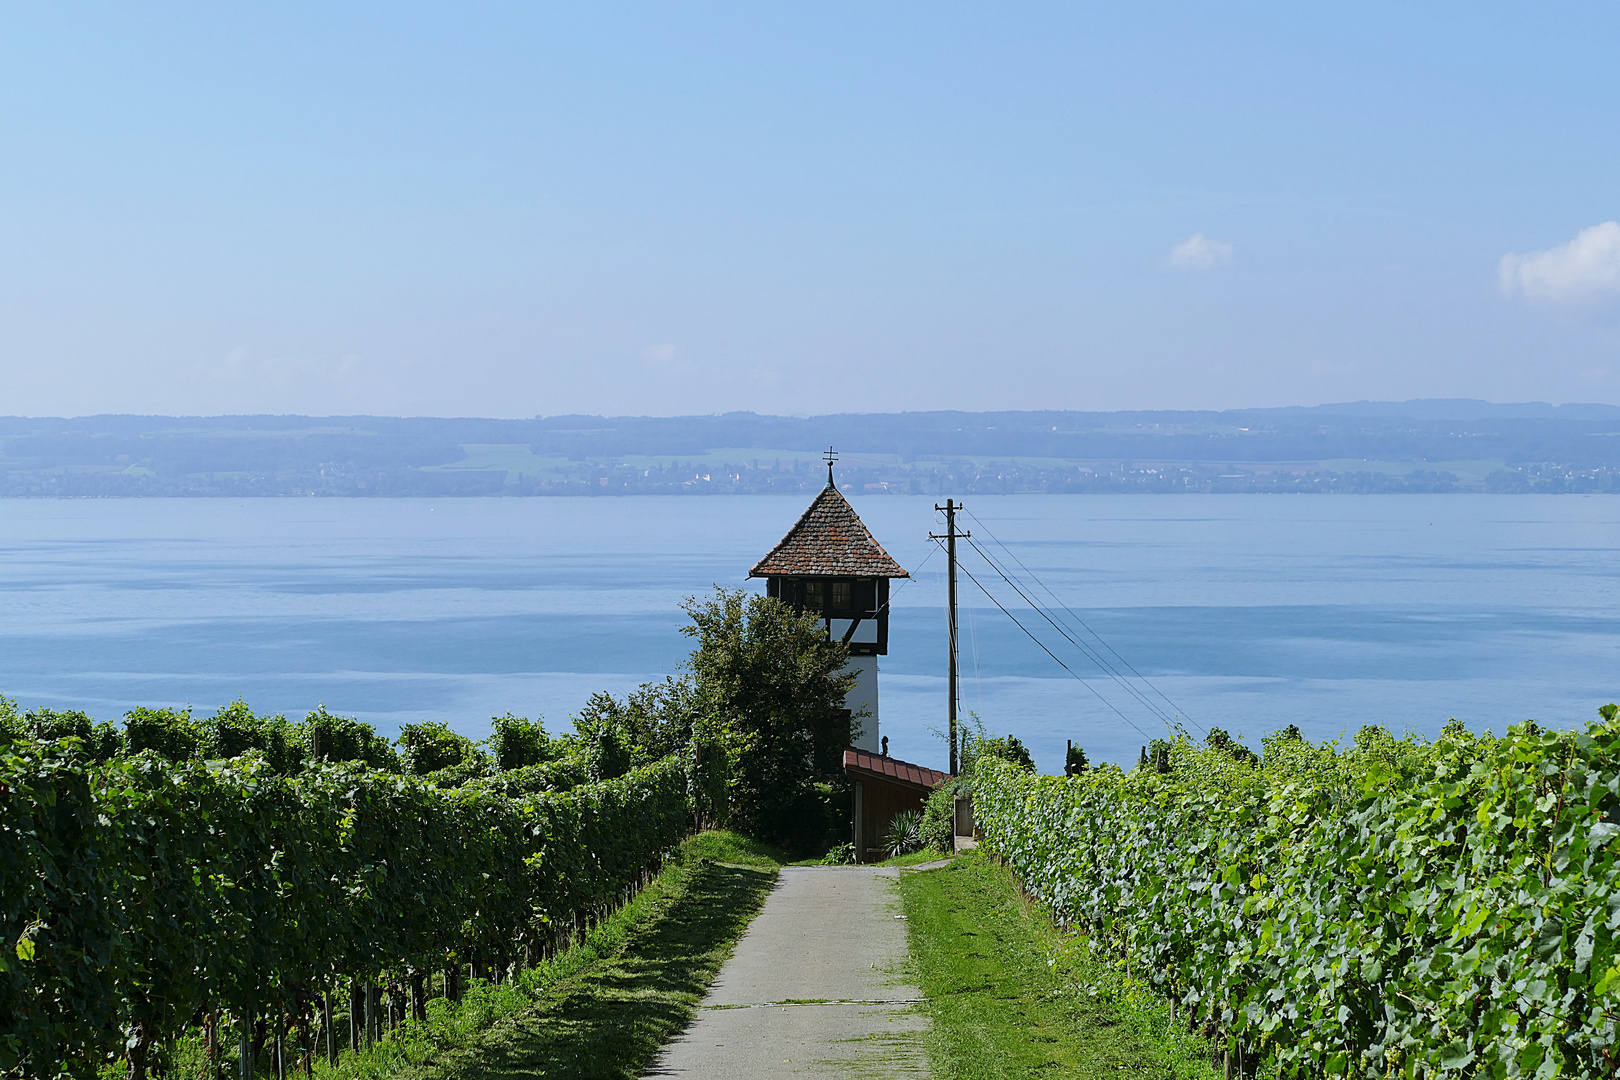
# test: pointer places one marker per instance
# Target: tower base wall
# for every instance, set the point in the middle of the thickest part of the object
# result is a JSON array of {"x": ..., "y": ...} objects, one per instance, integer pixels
[{"x": 863, "y": 696}]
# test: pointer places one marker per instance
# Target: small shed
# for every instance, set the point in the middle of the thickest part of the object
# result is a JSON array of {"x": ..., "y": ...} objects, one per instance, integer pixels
[{"x": 883, "y": 787}]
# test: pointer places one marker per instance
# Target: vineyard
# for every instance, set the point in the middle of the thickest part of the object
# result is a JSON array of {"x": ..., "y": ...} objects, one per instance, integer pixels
[
  {"x": 1397, "y": 907},
  {"x": 276, "y": 891},
  {"x": 141, "y": 897}
]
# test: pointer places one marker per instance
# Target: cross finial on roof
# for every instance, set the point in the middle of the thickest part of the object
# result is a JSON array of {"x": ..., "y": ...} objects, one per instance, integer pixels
[
  {"x": 831, "y": 455},
  {"x": 829, "y": 540}
]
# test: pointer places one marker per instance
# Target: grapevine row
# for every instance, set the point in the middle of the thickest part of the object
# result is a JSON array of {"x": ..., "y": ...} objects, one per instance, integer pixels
[
  {"x": 1449, "y": 910},
  {"x": 140, "y": 897}
]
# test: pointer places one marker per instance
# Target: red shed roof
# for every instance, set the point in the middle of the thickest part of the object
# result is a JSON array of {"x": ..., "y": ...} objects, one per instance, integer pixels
[
  {"x": 829, "y": 540},
  {"x": 865, "y": 763}
]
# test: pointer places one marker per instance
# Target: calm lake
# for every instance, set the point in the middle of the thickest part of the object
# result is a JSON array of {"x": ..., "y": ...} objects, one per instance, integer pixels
[{"x": 1244, "y": 612}]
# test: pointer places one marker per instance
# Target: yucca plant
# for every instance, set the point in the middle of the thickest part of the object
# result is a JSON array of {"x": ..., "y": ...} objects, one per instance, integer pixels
[{"x": 905, "y": 833}]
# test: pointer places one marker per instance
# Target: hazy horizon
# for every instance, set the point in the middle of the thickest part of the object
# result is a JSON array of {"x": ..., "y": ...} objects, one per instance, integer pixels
[{"x": 766, "y": 414}]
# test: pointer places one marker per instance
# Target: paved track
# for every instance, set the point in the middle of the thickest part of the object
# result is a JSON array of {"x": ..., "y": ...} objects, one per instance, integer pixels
[{"x": 815, "y": 988}]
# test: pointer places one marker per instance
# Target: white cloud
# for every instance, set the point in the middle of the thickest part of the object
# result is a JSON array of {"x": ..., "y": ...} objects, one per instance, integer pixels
[
  {"x": 1586, "y": 267},
  {"x": 1199, "y": 252},
  {"x": 660, "y": 354}
]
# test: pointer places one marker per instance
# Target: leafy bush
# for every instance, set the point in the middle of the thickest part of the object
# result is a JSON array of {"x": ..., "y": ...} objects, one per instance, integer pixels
[
  {"x": 655, "y": 720},
  {"x": 429, "y": 746},
  {"x": 97, "y": 741},
  {"x": 1007, "y": 748},
  {"x": 327, "y": 737},
  {"x": 234, "y": 730},
  {"x": 770, "y": 688},
  {"x": 1221, "y": 742},
  {"x": 1158, "y": 754},
  {"x": 467, "y": 771},
  {"x": 707, "y": 765},
  {"x": 841, "y": 855},
  {"x": 938, "y": 826},
  {"x": 977, "y": 744},
  {"x": 169, "y": 733},
  {"x": 1444, "y": 909},
  {"x": 563, "y": 774},
  {"x": 604, "y": 750},
  {"x": 517, "y": 743}
]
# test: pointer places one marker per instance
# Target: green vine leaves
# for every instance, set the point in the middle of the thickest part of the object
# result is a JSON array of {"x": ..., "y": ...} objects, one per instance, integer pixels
[
  {"x": 135, "y": 892},
  {"x": 1395, "y": 908}
]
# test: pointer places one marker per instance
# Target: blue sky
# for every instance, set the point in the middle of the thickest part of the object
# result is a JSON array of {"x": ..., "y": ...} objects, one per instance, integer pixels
[{"x": 515, "y": 210}]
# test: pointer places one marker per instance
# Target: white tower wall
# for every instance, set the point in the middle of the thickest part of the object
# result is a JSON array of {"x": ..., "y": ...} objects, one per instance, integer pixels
[{"x": 864, "y": 696}]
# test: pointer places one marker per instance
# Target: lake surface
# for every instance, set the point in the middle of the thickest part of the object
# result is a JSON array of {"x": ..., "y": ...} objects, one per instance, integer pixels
[{"x": 1245, "y": 612}]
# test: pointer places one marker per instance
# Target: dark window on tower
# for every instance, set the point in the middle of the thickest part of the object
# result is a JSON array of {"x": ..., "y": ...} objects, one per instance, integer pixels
[
  {"x": 815, "y": 595},
  {"x": 840, "y": 596}
]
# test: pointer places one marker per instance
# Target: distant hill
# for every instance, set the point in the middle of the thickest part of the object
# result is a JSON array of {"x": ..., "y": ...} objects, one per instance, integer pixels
[{"x": 1364, "y": 446}]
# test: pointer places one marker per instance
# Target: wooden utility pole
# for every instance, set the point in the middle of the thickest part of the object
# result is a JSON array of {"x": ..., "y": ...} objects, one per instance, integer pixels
[{"x": 949, "y": 509}]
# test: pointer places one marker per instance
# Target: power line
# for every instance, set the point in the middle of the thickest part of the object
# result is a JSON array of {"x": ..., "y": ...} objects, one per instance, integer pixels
[
  {"x": 1086, "y": 650},
  {"x": 1058, "y": 660},
  {"x": 1090, "y": 654},
  {"x": 887, "y": 604},
  {"x": 1070, "y": 613},
  {"x": 973, "y": 639}
]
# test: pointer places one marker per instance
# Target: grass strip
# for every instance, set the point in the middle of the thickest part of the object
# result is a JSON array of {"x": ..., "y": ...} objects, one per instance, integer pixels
[
  {"x": 1010, "y": 995},
  {"x": 605, "y": 1007}
]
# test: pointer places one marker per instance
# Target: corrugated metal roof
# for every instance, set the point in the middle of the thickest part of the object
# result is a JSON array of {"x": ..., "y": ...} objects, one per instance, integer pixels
[
  {"x": 889, "y": 768},
  {"x": 829, "y": 540}
]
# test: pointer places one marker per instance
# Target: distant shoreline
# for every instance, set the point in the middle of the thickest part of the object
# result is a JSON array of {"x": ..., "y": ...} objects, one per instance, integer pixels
[
  {"x": 1417, "y": 447},
  {"x": 1321, "y": 491}
]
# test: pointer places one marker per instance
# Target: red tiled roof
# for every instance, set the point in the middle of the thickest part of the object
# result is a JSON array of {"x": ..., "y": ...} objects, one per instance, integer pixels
[
  {"x": 903, "y": 772},
  {"x": 829, "y": 540}
]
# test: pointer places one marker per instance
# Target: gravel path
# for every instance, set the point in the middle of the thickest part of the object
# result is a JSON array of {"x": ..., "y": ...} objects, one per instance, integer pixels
[{"x": 816, "y": 988}]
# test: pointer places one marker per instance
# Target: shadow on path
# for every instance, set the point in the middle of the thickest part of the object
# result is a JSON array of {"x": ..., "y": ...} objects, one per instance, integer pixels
[{"x": 610, "y": 1020}]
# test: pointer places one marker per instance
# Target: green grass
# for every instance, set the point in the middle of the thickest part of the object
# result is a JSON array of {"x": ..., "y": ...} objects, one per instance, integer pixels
[
  {"x": 1009, "y": 995},
  {"x": 733, "y": 849},
  {"x": 926, "y": 855},
  {"x": 602, "y": 1009}
]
